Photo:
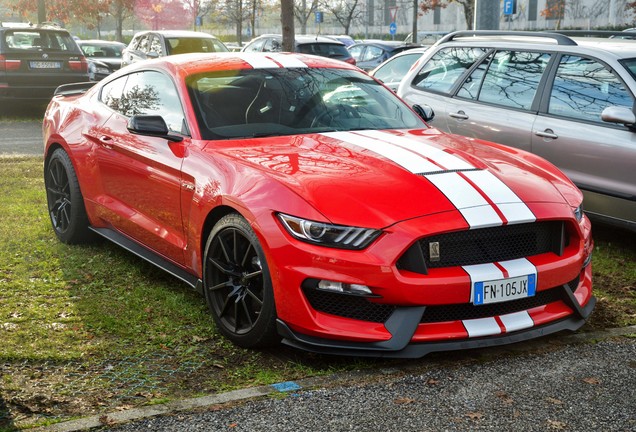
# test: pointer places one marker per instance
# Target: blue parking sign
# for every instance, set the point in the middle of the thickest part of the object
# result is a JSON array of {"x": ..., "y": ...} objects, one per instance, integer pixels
[{"x": 510, "y": 7}]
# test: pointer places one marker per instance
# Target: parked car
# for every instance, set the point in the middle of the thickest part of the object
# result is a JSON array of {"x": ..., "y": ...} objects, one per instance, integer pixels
[
  {"x": 36, "y": 59},
  {"x": 316, "y": 45},
  {"x": 369, "y": 54},
  {"x": 569, "y": 100},
  {"x": 152, "y": 44},
  {"x": 391, "y": 71},
  {"x": 104, "y": 57},
  {"x": 345, "y": 39},
  {"x": 317, "y": 207}
]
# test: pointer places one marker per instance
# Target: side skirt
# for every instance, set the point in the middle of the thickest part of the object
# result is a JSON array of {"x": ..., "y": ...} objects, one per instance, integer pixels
[{"x": 151, "y": 257}]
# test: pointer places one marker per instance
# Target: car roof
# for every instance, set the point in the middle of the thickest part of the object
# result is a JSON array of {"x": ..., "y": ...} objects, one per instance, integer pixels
[
  {"x": 391, "y": 44},
  {"x": 303, "y": 39},
  {"x": 549, "y": 41},
  {"x": 179, "y": 33},
  {"x": 194, "y": 63}
]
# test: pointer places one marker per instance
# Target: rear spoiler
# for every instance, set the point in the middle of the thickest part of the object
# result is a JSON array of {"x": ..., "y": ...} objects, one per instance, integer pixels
[{"x": 73, "y": 89}]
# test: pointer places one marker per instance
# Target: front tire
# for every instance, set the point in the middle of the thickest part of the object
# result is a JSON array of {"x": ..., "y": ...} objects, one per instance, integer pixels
[
  {"x": 237, "y": 284},
  {"x": 65, "y": 201}
]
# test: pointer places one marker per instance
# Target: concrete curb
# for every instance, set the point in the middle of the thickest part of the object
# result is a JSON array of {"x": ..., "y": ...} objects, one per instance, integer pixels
[{"x": 120, "y": 417}]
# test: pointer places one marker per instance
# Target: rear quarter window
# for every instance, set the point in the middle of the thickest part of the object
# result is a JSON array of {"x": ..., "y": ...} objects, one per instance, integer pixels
[{"x": 38, "y": 40}]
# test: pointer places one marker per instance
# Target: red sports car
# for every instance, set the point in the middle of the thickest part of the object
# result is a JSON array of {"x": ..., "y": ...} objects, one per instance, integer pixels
[{"x": 309, "y": 204}]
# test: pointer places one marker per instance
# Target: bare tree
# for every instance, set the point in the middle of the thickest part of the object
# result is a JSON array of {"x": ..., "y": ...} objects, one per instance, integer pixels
[
  {"x": 302, "y": 11},
  {"x": 345, "y": 11},
  {"x": 236, "y": 13},
  {"x": 468, "y": 7}
]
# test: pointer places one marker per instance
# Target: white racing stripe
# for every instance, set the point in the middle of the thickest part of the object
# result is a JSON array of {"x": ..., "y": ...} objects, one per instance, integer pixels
[
  {"x": 467, "y": 197},
  {"x": 480, "y": 273},
  {"x": 405, "y": 158},
  {"x": 288, "y": 61},
  {"x": 481, "y": 327},
  {"x": 517, "y": 321},
  {"x": 446, "y": 160},
  {"x": 258, "y": 62},
  {"x": 472, "y": 205},
  {"x": 510, "y": 205},
  {"x": 518, "y": 267}
]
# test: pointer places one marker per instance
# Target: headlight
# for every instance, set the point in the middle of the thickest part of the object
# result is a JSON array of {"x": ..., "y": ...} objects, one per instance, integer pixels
[
  {"x": 578, "y": 213},
  {"x": 338, "y": 236}
]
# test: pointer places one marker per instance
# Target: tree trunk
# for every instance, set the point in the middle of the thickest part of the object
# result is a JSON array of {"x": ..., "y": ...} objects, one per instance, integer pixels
[{"x": 287, "y": 22}]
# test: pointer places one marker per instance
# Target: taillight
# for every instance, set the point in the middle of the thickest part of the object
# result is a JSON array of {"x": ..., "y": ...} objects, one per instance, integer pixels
[
  {"x": 80, "y": 65},
  {"x": 351, "y": 61},
  {"x": 8, "y": 65}
]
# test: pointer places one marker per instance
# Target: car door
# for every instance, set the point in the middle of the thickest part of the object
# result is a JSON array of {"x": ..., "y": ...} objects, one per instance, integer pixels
[
  {"x": 141, "y": 175},
  {"x": 498, "y": 100},
  {"x": 599, "y": 157}
]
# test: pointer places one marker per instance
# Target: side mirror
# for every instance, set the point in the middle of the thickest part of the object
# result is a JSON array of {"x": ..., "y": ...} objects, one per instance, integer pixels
[
  {"x": 151, "y": 125},
  {"x": 618, "y": 114},
  {"x": 426, "y": 112}
]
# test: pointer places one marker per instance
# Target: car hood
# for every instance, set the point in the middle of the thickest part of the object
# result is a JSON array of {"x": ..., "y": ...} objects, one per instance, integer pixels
[{"x": 391, "y": 176}]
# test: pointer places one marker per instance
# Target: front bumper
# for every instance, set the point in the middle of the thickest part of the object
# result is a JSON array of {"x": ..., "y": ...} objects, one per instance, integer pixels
[{"x": 404, "y": 323}]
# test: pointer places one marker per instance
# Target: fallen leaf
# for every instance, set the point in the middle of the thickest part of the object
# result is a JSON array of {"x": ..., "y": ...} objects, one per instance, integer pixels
[
  {"x": 555, "y": 424},
  {"x": 591, "y": 380},
  {"x": 403, "y": 401},
  {"x": 475, "y": 415},
  {"x": 432, "y": 381},
  {"x": 505, "y": 398},
  {"x": 554, "y": 401},
  {"x": 106, "y": 420}
]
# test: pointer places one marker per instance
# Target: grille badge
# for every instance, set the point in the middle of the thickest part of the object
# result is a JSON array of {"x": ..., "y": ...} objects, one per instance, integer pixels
[{"x": 433, "y": 251}]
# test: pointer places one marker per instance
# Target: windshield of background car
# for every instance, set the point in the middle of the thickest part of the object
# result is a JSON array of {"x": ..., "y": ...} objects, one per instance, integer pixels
[
  {"x": 269, "y": 102},
  {"x": 191, "y": 45},
  {"x": 337, "y": 51},
  {"x": 102, "y": 50},
  {"x": 39, "y": 40}
]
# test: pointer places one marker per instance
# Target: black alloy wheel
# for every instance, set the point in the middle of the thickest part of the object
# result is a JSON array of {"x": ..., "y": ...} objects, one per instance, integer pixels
[
  {"x": 65, "y": 201},
  {"x": 237, "y": 283}
]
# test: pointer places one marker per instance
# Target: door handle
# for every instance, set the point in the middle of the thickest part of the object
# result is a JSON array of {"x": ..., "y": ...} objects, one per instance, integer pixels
[
  {"x": 460, "y": 115},
  {"x": 548, "y": 133}
]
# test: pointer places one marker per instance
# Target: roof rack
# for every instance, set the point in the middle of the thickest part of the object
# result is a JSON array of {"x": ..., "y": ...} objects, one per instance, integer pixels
[
  {"x": 560, "y": 39},
  {"x": 598, "y": 33}
]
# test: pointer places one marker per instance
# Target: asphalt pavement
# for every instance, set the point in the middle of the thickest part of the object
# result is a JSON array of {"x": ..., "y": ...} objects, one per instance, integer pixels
[{"x": 21, "y": 137}]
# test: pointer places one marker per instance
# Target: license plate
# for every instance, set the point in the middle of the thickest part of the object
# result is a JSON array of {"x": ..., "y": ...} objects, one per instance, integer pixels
[
  {"x": 45, "y": 65},
  {"x": 501, "y": 290}
]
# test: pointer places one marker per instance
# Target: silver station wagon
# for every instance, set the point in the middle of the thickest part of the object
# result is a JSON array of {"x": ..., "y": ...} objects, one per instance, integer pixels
[{"x": 567, "y": 99}]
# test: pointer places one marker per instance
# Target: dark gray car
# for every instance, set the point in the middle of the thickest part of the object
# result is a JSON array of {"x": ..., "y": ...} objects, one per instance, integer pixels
[
  {"x": 569, "y": 100},
  {"x": 36, "y": 59}
]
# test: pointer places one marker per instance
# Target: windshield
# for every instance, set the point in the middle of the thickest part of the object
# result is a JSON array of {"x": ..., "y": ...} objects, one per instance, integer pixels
[{"x": 268, "y": 102}]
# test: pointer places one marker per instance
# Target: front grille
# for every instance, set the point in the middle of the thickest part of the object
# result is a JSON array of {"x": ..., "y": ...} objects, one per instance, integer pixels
[
  {"x": 467, "y": 311},
  {"x": 485, "y": 245},
  {"x": 348, "y": 306}
]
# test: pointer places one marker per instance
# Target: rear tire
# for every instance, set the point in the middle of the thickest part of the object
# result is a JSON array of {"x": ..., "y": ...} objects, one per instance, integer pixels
[
  {"x": 237, "y": 284},
  {"x": 65, "y": 201}
]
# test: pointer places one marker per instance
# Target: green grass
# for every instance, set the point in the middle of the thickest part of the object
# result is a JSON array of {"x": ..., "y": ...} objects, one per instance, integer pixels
[{"x": 88, "y": 329}]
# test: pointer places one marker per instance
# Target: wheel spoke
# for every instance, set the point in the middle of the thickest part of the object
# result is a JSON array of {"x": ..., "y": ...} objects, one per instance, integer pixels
[
  {"x": 254, "y": 297},
  {"x": 224, "y": 248},
  {"x": 247, "y": 254},
  {"x": 247, "y": 314},
  {"x": 236, "y": 320},
  {"x": 253, "y": 274},
  {"x": 226, "y": 284},
  {"x": 225, "y": 268}
]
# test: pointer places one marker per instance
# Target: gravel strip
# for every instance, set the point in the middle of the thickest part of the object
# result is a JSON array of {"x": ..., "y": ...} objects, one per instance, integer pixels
[{"x": 581, "y": 387}]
